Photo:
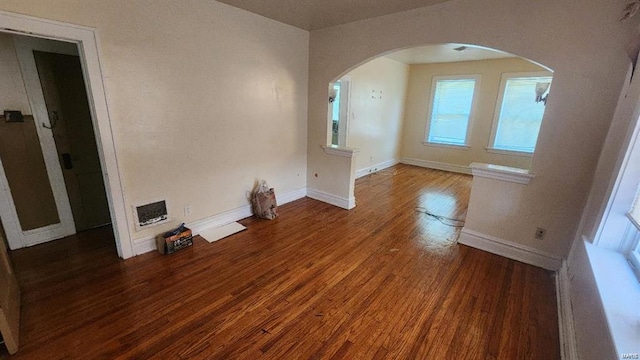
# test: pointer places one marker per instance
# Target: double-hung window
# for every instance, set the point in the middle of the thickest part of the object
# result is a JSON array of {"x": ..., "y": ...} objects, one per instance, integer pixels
[
  {"x": 451, "y": 109},
  {"x": 518, "y": 115}
]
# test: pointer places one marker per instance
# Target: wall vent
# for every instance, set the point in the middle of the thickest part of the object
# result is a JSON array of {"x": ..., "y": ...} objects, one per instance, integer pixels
[{"x": 151, "y": 214}]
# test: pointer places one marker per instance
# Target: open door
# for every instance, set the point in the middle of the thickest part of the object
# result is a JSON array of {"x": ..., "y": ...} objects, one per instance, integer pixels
[
  {"x": 36, "y": 208},
  {"x": 68, "y": 108},
  {"x": 9, "y": 300}
]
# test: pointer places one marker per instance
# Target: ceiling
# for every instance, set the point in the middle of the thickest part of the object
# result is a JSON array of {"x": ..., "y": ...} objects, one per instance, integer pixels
[
  {"x": 316, "y": 14},
  {"x": 443, "y": 53}
]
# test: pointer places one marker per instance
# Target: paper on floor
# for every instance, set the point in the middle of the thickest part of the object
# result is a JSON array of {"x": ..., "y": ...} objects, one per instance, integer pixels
[{"x": 221, "y": 232}]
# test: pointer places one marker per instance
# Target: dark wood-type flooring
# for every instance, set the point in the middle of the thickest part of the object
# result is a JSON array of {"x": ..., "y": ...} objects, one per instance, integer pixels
[{"x": 382, "y": 281}]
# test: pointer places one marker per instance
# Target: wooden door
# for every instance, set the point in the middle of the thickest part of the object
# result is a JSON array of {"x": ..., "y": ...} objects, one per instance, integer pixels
[
  {"x": 9, "y": 300},
  {"x": 66, "y": 100}
]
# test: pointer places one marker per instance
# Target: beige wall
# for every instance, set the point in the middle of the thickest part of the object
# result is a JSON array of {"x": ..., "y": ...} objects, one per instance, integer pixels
[
  {"x": 203, "y": 98},
  {"x": 378, "y": 90},
  {"x": 585, "y": 46},
  {"x": 487, "y": 89},
  {"x": 588, "y": 75}
]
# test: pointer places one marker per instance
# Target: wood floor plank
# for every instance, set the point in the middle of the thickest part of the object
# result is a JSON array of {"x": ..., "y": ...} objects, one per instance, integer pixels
[{"x": 385, "y": 280}]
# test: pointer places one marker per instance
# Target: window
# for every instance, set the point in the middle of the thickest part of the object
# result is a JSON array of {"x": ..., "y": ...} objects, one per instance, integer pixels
[
  {"x": 451, "y": 107},
  {"x": 335, "y": 114},
  {"x": 518, "y": 115},
  {"x": 633, "y": 235}
]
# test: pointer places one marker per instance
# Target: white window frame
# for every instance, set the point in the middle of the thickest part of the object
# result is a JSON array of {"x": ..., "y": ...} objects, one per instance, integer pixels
[
  {"x": 496, "y": 113},
  {"x": 434, "y": 81}
]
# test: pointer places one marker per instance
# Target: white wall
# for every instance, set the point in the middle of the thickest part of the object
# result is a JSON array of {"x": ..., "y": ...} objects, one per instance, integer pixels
[
  {"x": 378, "y": 91},
  {"x": 204, "y": 98},
  {"x": 487, "y": 89},
  {"x": 583, "y": 43},
  {"x": 590, "y": 322}
]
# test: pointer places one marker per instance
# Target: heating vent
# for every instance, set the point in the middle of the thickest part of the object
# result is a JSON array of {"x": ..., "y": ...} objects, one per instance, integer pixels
[{"x": 151, "y": 214}]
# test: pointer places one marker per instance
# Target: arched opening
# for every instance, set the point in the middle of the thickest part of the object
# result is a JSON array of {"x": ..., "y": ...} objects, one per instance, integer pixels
[{"x": 443, "y": 106}]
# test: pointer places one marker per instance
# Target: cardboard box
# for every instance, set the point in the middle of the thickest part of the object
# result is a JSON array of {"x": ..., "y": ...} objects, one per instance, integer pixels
[{"x": 171, "y": 244}]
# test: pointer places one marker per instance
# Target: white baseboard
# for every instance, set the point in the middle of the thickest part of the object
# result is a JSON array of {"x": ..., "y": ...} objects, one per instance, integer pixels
[
  {"x": 377, "y": 167},
  {"x": 148, "y": 243},
  {"x": 436, "y": 165},
  {"x": 509, "y": 249},
  {"x": 144, "y": 245},
  {"x": 568, "y": 345},
  {"x": 332, "y": 199}
]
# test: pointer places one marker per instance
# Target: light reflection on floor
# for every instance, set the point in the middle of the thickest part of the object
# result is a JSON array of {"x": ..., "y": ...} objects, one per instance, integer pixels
[{"x": 438, "y": 235}]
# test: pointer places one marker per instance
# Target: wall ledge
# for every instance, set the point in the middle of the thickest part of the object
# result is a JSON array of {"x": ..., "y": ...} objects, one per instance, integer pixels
[
  {"x": 509, "y": 249},
  {"x": 503, "y": 173},
  {"x": 340, "y": 151},
  {"x": 619, "y": 292}
]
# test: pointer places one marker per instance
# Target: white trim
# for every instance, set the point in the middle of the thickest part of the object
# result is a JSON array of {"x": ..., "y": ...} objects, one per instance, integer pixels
[
  {"x": 503, "y": 173},
  {"x": 147, "y": 244},
  {"x": 436, "y": 165},
  {"x": 568, "y": 344},
  {"x": 338, "y": 201},
  {"x": 509, "y": 249},
  {"x": 448, "y": 146},
  {"x": 221, "y": 219},
  {"x": 375, "y": 168},
  {"x": 634, "y": 260},
  {"x": 434, "y": 81},
  {"x": 508, "y": 152},
  {"x": 291, "y": 196},
  {"x": 88, "y": 49},
  {"x": 144, "y": 245},
  {"x": 340, "y": 151}
]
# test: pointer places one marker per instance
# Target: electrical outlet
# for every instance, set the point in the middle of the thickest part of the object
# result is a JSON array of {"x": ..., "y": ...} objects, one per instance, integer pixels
[
  {"x": 540, "y": 233},
  {"x": 187, "y": 210}
]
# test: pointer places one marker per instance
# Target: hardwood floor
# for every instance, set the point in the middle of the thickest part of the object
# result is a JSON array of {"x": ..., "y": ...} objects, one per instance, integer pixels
[{"x": 382, "y": 281}]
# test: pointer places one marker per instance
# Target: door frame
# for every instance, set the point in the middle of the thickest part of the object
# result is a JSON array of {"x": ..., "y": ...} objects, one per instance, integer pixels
[{"x": 87, "y": 41}]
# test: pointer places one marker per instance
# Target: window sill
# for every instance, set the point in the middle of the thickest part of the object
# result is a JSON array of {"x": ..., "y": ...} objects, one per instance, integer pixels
[
  {"x": 620, "y": 295},
  {"x": 499, "y": 172},
  {"x": 508, "y": 152},
  {"x": 340, "y": 151},
  {"x": 449, "y": 146}
]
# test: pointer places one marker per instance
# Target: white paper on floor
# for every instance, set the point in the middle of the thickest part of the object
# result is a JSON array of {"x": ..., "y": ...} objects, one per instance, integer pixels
[{"x": 221, "y": 232}]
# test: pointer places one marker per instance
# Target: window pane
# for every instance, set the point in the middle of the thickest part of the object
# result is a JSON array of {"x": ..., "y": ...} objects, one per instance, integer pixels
[
  {"x": 450, "y": 111},
  {"x": 520, "y": 116},
  {"x": 635, "y": 211},
  {"x": 335, "y": 113}
]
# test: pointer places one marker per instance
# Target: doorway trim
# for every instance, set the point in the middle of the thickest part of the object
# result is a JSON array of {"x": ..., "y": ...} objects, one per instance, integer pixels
[{"x": 87, "y": 41}]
